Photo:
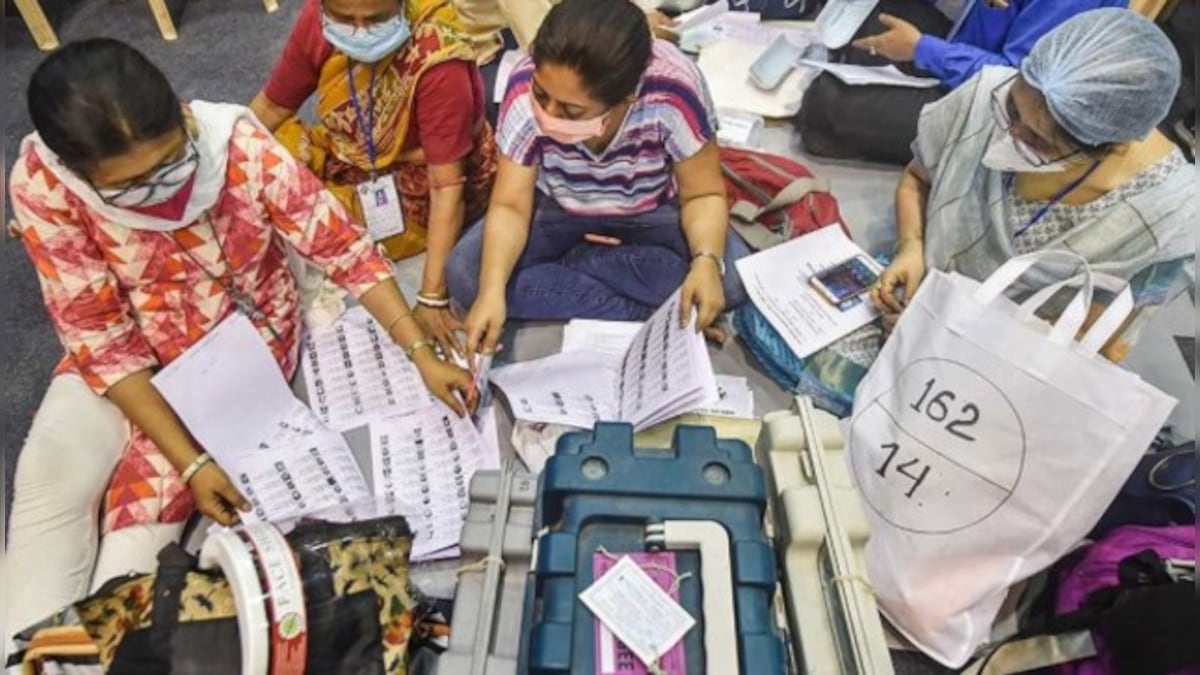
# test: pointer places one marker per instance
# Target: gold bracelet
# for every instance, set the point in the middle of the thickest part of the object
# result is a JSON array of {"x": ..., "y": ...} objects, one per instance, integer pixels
[
  {"x": 393, "y": 322},
  {"x": 195, "y": 466},
  {"x": 419, "y": 344}
]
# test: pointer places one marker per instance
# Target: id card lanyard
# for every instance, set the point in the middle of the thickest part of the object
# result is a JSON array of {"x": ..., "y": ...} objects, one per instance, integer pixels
[
  {"x": 378, "y": 197},
  {"x": 369, "y": 123},
  {"x": 242, "y": 300},
  {"x": 1010, "y": 180}
]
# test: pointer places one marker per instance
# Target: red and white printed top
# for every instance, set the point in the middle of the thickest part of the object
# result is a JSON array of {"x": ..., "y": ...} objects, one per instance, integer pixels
[{"x": 124, "y": 300}]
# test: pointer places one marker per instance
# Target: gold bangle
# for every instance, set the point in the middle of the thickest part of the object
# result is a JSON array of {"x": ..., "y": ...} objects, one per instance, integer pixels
[
  {"x": 393, "y": 322},
  {"x": 419, "y": 344}
]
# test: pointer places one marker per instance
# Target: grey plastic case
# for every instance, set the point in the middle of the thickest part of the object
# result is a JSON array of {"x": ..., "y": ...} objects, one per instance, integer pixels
[{"x": 497, "y": 546}]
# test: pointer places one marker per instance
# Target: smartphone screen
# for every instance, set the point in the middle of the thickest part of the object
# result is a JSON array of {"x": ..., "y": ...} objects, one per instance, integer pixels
[{"x": 848, "y": 279}]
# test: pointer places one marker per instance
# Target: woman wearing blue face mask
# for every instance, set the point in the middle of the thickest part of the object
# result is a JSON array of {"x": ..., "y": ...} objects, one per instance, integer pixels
[
  {"x": 1062, "y": 154},
  {"x": 401, "y": 140}
]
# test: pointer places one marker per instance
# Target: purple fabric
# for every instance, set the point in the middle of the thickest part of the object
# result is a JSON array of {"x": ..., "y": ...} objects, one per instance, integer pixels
[{"x": 1098, "y": 569}]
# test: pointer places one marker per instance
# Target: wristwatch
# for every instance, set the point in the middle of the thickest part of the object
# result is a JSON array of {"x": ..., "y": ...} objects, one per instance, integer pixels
[{"x": 714, "y": 257}]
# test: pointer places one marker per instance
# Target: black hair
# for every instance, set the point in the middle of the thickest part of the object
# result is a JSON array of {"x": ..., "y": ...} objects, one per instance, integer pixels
[
  {"x": 94, "y": 99},
  {"x": 606, "y": 42}
]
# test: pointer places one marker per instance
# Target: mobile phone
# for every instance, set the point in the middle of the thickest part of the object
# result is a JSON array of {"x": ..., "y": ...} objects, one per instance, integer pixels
[
  {"x": 846, "y": 280},
  {"x": 773, "y": 65}
]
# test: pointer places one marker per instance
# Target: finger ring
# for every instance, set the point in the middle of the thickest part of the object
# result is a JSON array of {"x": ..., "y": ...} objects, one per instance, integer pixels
[{"x": 873, "y": 52}]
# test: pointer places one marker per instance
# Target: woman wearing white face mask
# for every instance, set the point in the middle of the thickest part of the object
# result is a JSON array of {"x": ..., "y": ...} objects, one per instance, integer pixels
[
  {"x": 609, "y": 194},
  {"x": 149, "y": 222},
  {"x": 1062, "y": 154},
  {"x": 401, "y": 137}
]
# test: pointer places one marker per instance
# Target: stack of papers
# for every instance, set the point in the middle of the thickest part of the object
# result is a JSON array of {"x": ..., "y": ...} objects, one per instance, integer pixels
[
  {"x": 290, "y": 461},
  {"x": 861, "y": 75},
  {"x": 665, "y": 371},
  {"x": 777, "y": 281}
]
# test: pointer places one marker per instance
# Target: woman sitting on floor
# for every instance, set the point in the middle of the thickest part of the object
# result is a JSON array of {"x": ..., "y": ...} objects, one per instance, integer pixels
[
  {"x": 402, "y": 140},
  {"x": 149, "y": 222},
  {"x": 1062, "y": 154},
  {"x": 609, "y": 193}
]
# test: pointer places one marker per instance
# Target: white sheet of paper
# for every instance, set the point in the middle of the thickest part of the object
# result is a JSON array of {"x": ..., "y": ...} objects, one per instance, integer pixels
[
  {"x": 699, "y": 16},
  {"x": 735, "y": 398},
  {"x": 422, "y": 464},
  {"x": 381, "y": 207},
  {"x": 666, "y": 371},
  {"x": 489, "y": 431},
  {"x": 777, "y": 280},
  {"x": 508, "y": 61},
  {"x": 227, "y": 387},
  {"x": 859, "y": 75},
  {"x": 738, "y": 128},
  {"x": 574, "y": 388},
  {"x": 354, "y": 372},
  {"x": 301, "y": 467},
  {"x": 726, "y": 64},
  {"x": 640, "y": 613},
  {"x": 611, "y": 338}
]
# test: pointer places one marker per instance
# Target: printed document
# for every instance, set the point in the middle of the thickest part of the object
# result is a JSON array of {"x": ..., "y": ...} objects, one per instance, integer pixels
[
  {"x": 777, "y": 281},
  {"x": 230, "y": 394},
  {"x": 663, "y": 372},
  {"x": 859, "y": 75}
]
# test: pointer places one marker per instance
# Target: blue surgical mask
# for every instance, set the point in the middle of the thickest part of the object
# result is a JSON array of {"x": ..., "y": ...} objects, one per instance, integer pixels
[{"x": 367, "y": 45}]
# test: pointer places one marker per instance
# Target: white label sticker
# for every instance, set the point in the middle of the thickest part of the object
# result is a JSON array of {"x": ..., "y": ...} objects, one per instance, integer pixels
[
  {"x": 381, "y": 207},
  {"x": 628, "y": 602}
]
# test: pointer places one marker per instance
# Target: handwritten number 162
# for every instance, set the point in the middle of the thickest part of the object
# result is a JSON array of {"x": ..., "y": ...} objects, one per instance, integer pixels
[{"x": 937, "y": 410}]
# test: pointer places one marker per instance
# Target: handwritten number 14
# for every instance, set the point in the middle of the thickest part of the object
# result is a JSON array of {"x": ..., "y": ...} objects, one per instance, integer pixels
[{"x": 903, "y": 468}]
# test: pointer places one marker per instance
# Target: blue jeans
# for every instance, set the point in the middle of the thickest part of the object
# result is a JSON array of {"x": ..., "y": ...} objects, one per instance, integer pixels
[{"x": 560, "y": 276}]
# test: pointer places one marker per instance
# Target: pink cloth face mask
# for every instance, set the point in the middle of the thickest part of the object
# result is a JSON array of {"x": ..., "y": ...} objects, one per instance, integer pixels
[{"x": 568, "y": 132}]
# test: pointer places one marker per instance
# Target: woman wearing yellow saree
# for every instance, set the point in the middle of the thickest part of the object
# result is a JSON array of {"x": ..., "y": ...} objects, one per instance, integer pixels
[{"x": 401, "y": 137}]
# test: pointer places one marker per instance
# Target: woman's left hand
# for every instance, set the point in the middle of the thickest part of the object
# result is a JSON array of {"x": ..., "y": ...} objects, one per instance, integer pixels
[
  {"x": 898, "y": 43},
  {"x": 702, "y": 288},
  {"x": 441, "y": 323}
]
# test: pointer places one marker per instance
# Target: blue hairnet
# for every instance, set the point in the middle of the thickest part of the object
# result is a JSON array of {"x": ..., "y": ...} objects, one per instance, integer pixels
[{"x": 1108, "y": 75}]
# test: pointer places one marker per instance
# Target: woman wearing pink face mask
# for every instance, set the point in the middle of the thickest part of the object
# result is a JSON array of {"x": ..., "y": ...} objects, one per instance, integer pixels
[{"x": 609, "y": 194}]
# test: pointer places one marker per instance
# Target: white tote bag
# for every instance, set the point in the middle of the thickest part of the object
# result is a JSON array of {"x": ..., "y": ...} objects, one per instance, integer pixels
[{"x": 986, "y": 444}]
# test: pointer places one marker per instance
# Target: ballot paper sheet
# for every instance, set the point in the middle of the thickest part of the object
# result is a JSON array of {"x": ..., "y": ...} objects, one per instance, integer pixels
[
  {"x": 230, "y": 394},
  {"x": 355, "y": 373},
  {"x": 421, "y": 468},
  {"x": 777, "y": 280},
  {"x": 663, "y": 371}
]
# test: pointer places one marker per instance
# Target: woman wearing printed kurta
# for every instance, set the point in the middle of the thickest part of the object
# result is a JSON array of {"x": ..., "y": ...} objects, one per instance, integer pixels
[
  {"x": 149, "y": 222},
  {"x": 401, "y": 139}
]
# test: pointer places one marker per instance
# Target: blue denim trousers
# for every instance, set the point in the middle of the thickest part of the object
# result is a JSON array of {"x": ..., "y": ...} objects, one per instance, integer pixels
[{"x": 561, "y": 276}]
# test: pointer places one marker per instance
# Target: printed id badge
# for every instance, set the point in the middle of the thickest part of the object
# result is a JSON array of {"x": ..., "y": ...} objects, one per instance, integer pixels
[{"x": 381, "y": 207}]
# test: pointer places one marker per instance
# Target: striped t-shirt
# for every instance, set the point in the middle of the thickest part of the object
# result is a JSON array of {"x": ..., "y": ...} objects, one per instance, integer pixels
[{"x": 671, "y": 120}]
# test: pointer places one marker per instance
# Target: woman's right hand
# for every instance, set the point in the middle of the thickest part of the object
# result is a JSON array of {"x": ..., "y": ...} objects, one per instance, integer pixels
[
  {"x": 215, "y": 495},
  {"x": 485, "y": 324},
  {"x": 447, "y": 381},
  {"x": 906, "y": 271}
]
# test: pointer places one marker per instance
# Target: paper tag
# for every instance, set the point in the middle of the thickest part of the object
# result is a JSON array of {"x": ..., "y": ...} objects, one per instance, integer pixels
[
  {"x": 628, "y": 602},
  {"x": 614, "y": 657},
  {"x": 381, "y": 207}
]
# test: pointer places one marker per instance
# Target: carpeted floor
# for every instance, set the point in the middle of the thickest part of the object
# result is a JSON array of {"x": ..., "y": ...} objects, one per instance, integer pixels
[{"x": 224, "y": 52}]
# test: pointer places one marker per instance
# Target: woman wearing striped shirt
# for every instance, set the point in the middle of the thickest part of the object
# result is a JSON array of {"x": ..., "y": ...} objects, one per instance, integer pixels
[{"x": 609, "y": 194}]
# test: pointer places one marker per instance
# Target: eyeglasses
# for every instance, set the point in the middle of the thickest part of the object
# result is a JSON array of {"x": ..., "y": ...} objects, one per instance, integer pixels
[
  {"x": 167, "y": 178},
  {"x": 347, "y": 29},
  {"x": 1007, "y": 117}
]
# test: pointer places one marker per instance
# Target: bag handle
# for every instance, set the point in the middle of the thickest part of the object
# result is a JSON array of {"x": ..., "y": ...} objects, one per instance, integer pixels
[
  {"x": 791, "y": 194},
  {"x": 1073, "y": 316},
  {"x": 1113, "y": 318},
  {"x": 1039, "y": 651}
]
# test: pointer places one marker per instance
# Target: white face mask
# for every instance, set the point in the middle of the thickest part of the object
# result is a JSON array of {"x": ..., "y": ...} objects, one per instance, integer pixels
[{"x": 1003, "y": 155}]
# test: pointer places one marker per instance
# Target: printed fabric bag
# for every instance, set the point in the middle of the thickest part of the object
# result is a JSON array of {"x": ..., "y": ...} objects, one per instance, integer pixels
[
  {"x": 328, "y": 598},
  {"x": 1125, "y": 604},
  {"x": 773, "y": 199},
  {"x": 986, "y": 444}
]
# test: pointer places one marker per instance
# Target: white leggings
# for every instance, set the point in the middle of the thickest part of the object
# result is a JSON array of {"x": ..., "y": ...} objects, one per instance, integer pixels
[{"x": 55, "y": 554}]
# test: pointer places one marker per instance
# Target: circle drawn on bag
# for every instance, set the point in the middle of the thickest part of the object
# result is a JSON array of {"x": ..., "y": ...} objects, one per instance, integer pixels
[{"x": 939, "y": 451}]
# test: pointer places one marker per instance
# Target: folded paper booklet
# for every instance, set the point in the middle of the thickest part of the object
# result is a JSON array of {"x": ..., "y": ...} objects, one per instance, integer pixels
[{"x": 665, "y": 371}]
